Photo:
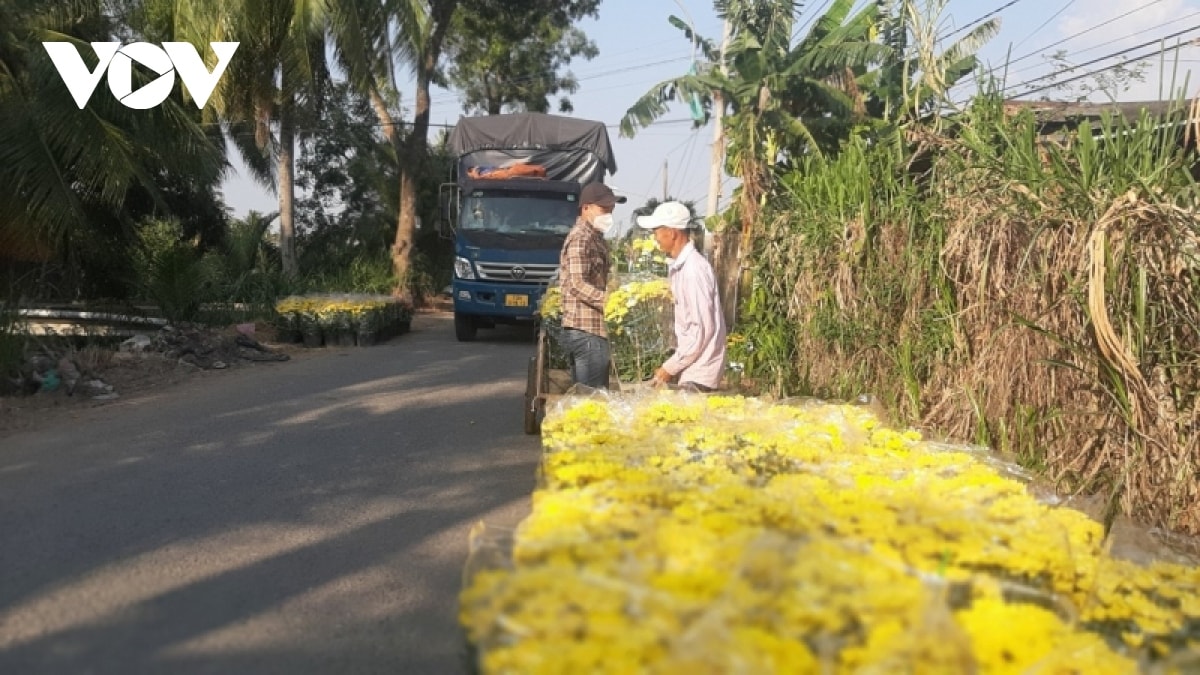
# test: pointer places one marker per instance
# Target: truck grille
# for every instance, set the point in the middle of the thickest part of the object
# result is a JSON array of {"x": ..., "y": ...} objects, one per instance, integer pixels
[{"x": 509, "y": 272}]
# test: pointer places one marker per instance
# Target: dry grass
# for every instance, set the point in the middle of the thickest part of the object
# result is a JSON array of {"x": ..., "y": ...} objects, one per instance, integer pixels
[
  {"x": 1049, "y": 323},
  {"x": 1041, "y": 299}
]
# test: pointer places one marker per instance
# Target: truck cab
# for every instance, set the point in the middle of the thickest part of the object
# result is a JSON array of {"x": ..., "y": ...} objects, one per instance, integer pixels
[
  {"x": 515, "y": 197},
  {"x": 506, "y": 251}
]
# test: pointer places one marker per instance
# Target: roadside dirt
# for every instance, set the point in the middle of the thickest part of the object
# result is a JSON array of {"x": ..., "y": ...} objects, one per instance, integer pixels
[
  {"x": 170, "y": 362},
  {"x": 108, "y": 375}
]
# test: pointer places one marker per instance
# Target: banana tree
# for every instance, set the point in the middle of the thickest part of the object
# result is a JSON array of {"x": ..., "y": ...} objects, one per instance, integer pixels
[
  {"x": 784, "y": 97},
  {"x": 914, "y": 82}
]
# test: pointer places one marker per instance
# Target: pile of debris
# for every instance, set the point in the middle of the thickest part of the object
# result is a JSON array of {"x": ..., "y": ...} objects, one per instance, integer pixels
[
  {"x": 76, "y": 372},
  {"x": 49, "y": 373},
  {"x": 203, "y": 348}
]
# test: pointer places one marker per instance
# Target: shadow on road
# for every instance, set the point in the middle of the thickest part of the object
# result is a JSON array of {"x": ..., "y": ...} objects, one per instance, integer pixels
[{"x": 304, "y": 518}]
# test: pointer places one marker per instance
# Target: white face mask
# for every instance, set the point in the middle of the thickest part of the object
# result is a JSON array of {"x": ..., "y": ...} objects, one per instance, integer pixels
[{"x": 603, "y": 222}]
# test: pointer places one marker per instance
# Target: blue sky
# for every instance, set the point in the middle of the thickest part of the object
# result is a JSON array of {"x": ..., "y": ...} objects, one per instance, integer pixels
[{"x": 638, "y": 48}]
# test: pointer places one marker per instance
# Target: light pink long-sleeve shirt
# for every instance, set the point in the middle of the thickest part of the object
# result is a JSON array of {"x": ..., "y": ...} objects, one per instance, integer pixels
[{"x": 699, "y": 326}]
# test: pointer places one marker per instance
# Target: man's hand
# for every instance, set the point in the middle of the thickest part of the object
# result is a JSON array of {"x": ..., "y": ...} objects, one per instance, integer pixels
[{"x": 661, "y": 378}]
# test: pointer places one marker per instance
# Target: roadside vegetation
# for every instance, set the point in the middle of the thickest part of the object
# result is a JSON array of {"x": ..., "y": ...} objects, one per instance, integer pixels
[
  {"x": 1032, "y": 292},
  {"x": 984, "y": 280}
]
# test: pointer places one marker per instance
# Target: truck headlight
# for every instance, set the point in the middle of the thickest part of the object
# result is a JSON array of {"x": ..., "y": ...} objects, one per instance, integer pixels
[{"x": 463, "y": 268}]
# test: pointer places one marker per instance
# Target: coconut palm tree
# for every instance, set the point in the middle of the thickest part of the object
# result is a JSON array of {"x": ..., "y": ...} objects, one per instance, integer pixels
[
  {"x": 278, "y": 69},
  {"x": 65, "y": 170},
  {"x": 370, "y": 38}
]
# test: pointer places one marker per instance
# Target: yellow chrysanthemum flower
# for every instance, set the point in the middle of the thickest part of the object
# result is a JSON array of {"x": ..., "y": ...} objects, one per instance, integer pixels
[{"x": 676, "y": 533}]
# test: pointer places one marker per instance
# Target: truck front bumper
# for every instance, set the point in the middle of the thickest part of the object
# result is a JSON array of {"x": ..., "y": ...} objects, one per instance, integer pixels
[{"x": 497, "y": 301}]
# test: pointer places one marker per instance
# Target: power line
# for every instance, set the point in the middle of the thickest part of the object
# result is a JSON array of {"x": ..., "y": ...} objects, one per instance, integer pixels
[
  {"x": 1106, "y": 57},
  {"x": 431, "y": 125},
  {"x": 681, "y": 178},
  {"x": 448, "y": 98},
  {"x": 1035, "y": 52},
  {"x": 1097, "y": 71},
  {"x": 1045, "y": 23},
  {"x": 1120, "y": 39},
  {"x": 981, "y": 19},
  {"x": 667, "y": 154},
  {"x": 1080, "y": 33},
  {"x": 811, "y": 18}
]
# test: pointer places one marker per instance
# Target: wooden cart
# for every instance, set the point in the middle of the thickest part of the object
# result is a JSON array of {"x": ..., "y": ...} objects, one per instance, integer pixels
[{"x": 545, "y": 383}]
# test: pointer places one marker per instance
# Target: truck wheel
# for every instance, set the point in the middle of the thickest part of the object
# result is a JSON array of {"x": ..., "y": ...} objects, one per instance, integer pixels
[
  {"x": 464, "y": 327},
  {"x": 533, "y": 406}
]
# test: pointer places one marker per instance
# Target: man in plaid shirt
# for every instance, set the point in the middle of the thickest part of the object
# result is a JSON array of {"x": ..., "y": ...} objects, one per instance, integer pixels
[{"x": 583, "y": 276}]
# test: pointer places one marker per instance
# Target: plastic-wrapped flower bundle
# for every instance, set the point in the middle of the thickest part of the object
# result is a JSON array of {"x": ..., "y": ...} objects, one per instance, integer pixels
[
  {"x": 362, "y": 314},
  {"x": 676, "y": 533},
  {"x": 622, "y": 302},
  {"x": 638, "y": 313},
  {"x": 626, "y": 296}
]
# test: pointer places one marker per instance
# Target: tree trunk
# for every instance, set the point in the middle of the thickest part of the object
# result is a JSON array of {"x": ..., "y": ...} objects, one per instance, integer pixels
[
  {"x": 723, "y": 257},
  {"x": 390, "y": 132},
  {"x": 287, "y": 185},
  {"x": 495, "y": 101},
  {"x": 414, "y": 147},
  {"x": 725, "y": 261},
  {"x": 407, "y": 225}
]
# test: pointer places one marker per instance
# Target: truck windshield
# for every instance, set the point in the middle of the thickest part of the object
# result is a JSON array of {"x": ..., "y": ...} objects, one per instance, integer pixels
[{"x": 552, "y": 213}]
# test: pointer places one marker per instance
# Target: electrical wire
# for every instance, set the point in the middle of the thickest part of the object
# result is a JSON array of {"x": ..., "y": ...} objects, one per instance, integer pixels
[
  {"x": 1116, "y": 40},
  {"x": 1068, "y": 38},
  {"x": 1059, "y": 83},
  {"x": 804, "y": 27},
  {"x": 681, "y": 179},
  {"x": 1045, "y": 23},
  {"x": 1106, "y": 57},
  {"x": 981, "y": 19},
  {"x": 431, "y": 125},
  {"x": 453, "y": 97},
  {"x": 1008, "y": 64},
  {"x": 668, "y": 154}
]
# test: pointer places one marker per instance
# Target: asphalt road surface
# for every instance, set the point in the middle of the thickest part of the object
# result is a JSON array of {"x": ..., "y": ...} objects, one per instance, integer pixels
[{"x": 306, "y": 517}]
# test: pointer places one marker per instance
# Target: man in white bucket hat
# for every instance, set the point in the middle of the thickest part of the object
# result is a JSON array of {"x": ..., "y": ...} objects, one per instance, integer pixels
[{"x": 699, "y": 358}]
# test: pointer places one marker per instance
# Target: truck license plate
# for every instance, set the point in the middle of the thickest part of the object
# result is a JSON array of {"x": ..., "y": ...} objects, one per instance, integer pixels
[{"x": 516, "y": 300}]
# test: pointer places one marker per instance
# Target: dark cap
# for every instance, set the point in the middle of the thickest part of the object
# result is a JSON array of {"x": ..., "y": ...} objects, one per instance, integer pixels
[{"x": 599, "y": 194}]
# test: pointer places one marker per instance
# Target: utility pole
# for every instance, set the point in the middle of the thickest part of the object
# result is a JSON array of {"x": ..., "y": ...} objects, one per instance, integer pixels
[
  {"x": 726, "y": 263},
  {"x": 664, "y": 180},
  {"x": 718, "y": 146}
]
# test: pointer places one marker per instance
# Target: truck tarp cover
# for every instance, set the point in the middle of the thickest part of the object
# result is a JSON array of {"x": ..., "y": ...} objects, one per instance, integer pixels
[{"x": 566, "y": 147}]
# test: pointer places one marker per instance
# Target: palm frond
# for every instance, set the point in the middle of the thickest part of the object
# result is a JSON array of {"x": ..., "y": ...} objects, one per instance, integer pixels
[
  {"x": 655, "y": 103},
  {"x": 837, "y": 55},
  {"x": 973, "y": 41},
  {"x": 412, "y": 26},
  {"x": 707, "y": 47}
]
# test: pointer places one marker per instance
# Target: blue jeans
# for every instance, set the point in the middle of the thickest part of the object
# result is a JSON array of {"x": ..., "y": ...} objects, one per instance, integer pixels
[{"x": 589, "y": 357}]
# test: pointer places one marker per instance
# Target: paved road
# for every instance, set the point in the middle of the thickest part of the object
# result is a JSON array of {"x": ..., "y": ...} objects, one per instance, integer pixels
[{"x": 308, "y": 517}]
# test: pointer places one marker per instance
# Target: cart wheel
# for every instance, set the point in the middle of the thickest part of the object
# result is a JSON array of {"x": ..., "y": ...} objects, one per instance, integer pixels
[{"x": 534, "y": 406}]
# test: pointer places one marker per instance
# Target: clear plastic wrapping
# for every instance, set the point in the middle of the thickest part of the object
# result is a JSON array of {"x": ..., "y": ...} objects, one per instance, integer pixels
[{"x": 676, "y": 532}]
